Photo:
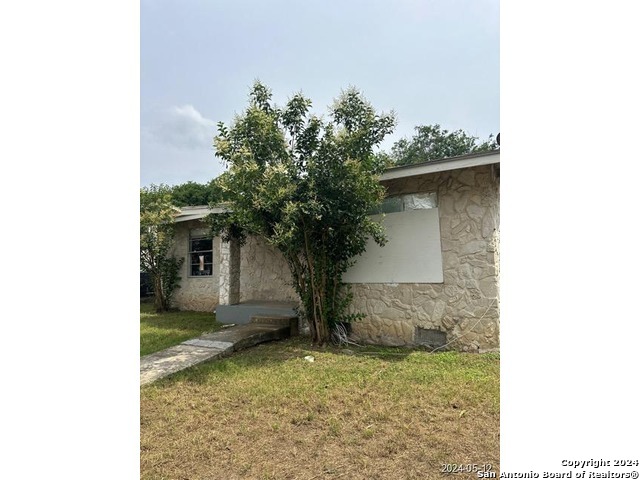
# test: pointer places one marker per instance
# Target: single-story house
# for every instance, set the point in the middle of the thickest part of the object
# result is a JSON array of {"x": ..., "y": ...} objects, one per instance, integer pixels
[{"x": 435, "y": 282}]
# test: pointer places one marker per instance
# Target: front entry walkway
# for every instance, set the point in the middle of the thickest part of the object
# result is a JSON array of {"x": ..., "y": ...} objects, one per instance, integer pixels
[{"x": 214, "y": 345}]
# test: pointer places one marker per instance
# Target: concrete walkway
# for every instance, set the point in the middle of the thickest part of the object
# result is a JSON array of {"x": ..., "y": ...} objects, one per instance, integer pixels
[{"x": 214, "y": 345}]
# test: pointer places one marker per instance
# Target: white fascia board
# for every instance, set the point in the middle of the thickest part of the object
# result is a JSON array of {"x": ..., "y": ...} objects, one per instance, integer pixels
[
  {"x": 186, "y": 218},
  {"x": 440, "y": 166},
  {"x": 197, "y": 213}
]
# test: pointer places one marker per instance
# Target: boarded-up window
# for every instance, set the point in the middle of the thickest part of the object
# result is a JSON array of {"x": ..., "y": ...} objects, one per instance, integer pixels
[{"x": 412, "y": 254}]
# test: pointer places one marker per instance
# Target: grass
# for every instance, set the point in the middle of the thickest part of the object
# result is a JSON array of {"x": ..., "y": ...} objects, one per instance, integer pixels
[
  {"x": 363, "y": 413},
  {"x": 163, "y": 330}
]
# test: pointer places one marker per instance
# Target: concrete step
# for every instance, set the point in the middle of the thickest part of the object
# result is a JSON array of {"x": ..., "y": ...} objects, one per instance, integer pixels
[
  {"x": 244, "y": 336},
  {"x": 283, "y": 320}
]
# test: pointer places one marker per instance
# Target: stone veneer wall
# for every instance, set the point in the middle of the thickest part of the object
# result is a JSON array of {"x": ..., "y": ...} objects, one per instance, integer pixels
[
  {"x": 229, "y": 284},
  {"x": 264, "y": 273},
  {"x": 466, "y": 306},
  {"x": 195, "y": 293}
]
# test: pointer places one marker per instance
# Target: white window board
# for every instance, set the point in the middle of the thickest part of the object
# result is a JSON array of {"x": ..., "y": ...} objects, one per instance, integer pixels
[{"x": 412, "y": 254}]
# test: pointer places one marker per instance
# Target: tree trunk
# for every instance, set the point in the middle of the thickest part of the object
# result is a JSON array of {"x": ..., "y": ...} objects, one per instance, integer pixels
[
  {"x": 319, "y": 327},
  {"x": 158, "y": 296},
  {"x": 313, "y": 294}
]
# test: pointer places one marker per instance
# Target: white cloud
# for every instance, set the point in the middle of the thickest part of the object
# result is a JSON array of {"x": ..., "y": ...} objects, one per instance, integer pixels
[{"x": 183, "y": 127}]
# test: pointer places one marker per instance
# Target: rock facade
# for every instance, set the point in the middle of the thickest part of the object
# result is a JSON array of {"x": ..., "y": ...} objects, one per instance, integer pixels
[
  {"x": 229, "y": 290},
  {"x": 255, "y": 271},
  {"x": 462, "y": 313},
  {"x": 195, "y": 293},
  {"x": 465, "y": 307},
  {"x": 264, "y": 273}
]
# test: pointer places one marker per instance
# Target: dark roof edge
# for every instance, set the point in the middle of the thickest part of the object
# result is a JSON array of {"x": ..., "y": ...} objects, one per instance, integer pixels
[
  {"x": 444, "y": 165},
  {"x": 443, "y": 160}
]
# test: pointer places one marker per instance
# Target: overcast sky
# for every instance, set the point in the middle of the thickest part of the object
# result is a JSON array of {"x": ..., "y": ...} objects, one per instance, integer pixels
[{"x": 431, "y": 61}]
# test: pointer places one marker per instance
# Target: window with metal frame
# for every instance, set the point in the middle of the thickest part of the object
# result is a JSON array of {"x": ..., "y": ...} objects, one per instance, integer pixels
[
  {"x": 407, "y": 202},
  {"x": 200, "y": 256}
]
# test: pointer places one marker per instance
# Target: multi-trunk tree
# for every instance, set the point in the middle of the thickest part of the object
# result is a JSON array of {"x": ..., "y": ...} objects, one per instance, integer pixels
[
  {"x": 306, "y": 185},
  {"x": 157, "y": 214}
]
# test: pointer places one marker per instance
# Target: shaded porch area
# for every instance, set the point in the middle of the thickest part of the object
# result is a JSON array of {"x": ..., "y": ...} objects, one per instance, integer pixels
[{"x": 241, "y": 313}]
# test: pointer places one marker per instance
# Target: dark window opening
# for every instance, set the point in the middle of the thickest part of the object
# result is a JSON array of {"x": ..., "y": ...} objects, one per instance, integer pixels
[{"x": 200, "y": 256}]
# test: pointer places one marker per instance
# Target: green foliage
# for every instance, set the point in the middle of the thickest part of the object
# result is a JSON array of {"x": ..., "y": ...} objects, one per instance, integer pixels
[
  {"x": 432, "y": 143},
  {"x": 169, "y": 279},
  {"x": 156, "y": 237},
  {"x": 306, "y": 186},
  {"x": 192, "y": 193}
]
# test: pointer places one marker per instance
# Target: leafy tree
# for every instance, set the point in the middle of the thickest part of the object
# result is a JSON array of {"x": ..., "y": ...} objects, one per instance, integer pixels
[
  {"x": 156, "y": 237},
  {"x": 431, "y": 142},
  {"x": 305, "y": 185},
  {"x": 192, "y": 193}
]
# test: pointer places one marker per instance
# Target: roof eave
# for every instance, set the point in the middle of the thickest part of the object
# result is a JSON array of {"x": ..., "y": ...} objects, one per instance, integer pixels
[
  {"x": 443, "y": 165},
  {"x": 464, "y": 161},
  {"x": 198, "y": 213}
]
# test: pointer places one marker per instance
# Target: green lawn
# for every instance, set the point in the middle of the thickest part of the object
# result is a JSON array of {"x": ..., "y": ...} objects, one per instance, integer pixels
[
  {"x": 163, "y": 330},
  {"x": 356, "y": 413}
]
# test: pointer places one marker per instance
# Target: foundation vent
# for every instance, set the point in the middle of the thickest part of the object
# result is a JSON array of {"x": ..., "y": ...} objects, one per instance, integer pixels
[{"x": 430, "y": 338}]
